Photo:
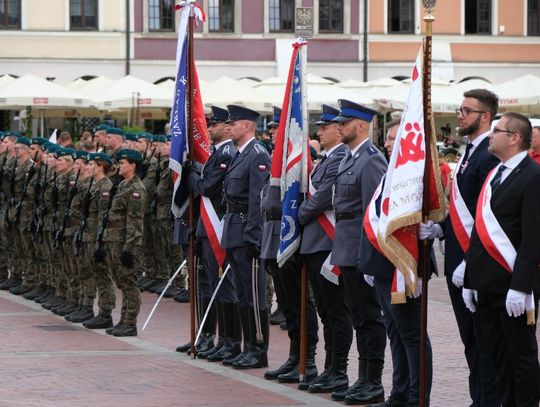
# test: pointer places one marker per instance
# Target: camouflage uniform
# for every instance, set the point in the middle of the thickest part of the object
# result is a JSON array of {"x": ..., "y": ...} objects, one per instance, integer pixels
[{"x": 6, "y": 244}]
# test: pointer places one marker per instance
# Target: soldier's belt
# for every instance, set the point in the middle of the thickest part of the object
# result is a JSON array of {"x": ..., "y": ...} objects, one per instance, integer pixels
[
  {"x": 347, "y": 215},
  {"x": 268, "y": 216},
  {"x": 237, "y": 208}
]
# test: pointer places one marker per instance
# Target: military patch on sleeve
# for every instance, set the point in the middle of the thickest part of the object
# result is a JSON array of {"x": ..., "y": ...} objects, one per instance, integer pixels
[
  {"x": 262, "y": 167},
  {"x": 105, "y": 194},
  {"x": 223, "y": 166},
  {"x": 72, "y": 182},
  {"x": 136, "y": 195}
]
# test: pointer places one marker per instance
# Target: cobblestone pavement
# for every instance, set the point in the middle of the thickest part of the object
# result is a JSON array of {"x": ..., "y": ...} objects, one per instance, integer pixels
[{"x": 48, "y": 362}]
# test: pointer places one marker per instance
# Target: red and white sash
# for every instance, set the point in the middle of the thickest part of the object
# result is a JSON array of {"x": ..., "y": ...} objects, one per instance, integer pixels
[
  {"x": 214, "y": 229},
  {"x": 371, "y": 227},
  {"x": 460, "y": 217},
  {"x": 495, "y": 240},
  {"x": 327, "y": 221}
]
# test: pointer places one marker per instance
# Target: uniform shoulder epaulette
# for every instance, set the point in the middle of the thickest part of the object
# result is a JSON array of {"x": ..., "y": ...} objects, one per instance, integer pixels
[
  {"x": 340, "y": 153},
  {"x": 372, "y": 150},
  {"x": 259, "y": 148},
  {"x": 226, "y": 149}
]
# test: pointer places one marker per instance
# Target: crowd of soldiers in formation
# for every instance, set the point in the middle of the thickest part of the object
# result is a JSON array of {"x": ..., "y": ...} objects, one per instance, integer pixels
[{"x": 73, "y": 222}]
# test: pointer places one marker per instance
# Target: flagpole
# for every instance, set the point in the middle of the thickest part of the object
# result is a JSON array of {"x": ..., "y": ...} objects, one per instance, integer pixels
[
  {"x": 191, "y": 213},
  {"x": 425, "y": 247}
]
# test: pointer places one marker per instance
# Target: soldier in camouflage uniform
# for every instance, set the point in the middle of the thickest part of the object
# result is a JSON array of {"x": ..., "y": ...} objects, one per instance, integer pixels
[
  {"x": 99, "y": 165},
  {"x": 123, "y": 239},
  {"x": 7, "y": 160}
]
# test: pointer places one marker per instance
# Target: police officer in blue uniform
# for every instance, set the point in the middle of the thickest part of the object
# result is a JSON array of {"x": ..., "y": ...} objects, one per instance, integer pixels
[
  {"x": 287, "y": 283},
  {"x": 358, "y": 175},
  {"x": 209, "y": 184},
  {"x": 242, "y": 234},
  {"x": 316, "y": 246}
]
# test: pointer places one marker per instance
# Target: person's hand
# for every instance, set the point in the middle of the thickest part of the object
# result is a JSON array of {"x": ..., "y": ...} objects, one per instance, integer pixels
[
  {"x": 369, "y": 279},
  {"x": 429, "y": 230},
  {"x": 515, "y": 303},
  {"x": 253, "y": 250},
  {"x": 469, "y": 298},
  {"x": 126, "y": 258},
  {"x": 459, "y": 274}
]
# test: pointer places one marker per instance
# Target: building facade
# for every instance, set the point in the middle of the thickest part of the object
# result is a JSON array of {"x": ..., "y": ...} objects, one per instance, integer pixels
[{"x": 67, "y": 39}]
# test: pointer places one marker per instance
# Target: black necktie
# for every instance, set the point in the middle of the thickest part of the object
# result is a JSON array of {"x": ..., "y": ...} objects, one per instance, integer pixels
[
  {"x": 464, "y": 162},
  {"x": 235, "y": 157},
  {"x": 497, "y": 180}
]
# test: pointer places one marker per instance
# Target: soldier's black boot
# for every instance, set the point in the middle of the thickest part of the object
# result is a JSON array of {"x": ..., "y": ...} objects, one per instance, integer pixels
[
  {"x": 290, "y": 364},
  {"x": 86, "y": 313},
  {"x": 125, "y": 330},
  {"x": 37, "y": 291},
  {"x": 257, "y": 355},
  {"x": 100, "y": 321},
  {"x": 20, "y": 289},
  {"x": 232, "y": 332},
  {"x": 68, "y": 317},
  {"x": 146, "y": 284},
  {"x": 182, "y": 297},
  {"x": 158, "y": 285},
  {"x": 109, "y": 331},
  {"x": 47, "y": 295},
  {"x": 10, "y": 283},
  {"x": 362, "y": 372},
  {"x": 337, "y": 379},
  {"x": 246, "y": 334},
  {"x": 53, "y": 302},
  {"x": 304, "y": 385},
  {"x": 66, "y": 309},
  {"x": 209, "y": 329},
  {"x": 221, "y": 328},
  {"x": 372, "y": 391},
  {"x": 310, "y": 374}
]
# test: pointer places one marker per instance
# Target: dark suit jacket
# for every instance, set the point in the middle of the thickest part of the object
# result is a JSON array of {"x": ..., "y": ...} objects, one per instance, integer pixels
[
  {"x": 481, "y": 162},
  {"x": 516, "y": 205}
]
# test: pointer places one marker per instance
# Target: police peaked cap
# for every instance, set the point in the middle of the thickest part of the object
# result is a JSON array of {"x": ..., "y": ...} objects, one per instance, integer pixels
[
  {"x": 99, "y": 157},
  {"x": 241, "y": 113},
  {"x": 329, "y": 113},
  {"x": 275, "y": 118},
  {"x": 219, "y": 115},
  {"x": 23, "y": 140},
  {"x": 127, "y": 154},
  {"x": 349, "y": 110},
  {"x": 116, "y": 131}
]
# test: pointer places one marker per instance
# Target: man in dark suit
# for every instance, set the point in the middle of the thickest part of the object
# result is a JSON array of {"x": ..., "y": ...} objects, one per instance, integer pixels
[
  {"x": 475, "y": 115},
  {"x": 358, "y": 176},
  {"x": 209, "y": 185},
  {"x": 242, "y": 234},
  {"x": 502, "y": 267},
  {"x": 316, "y": 246}
]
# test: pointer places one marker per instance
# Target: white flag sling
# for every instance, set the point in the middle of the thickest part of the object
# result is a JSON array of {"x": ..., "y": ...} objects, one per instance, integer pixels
[{"x": 460, "y": 217}]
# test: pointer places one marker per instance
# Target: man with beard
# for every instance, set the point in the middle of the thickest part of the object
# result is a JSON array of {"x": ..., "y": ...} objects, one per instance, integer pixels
[{"x": 475, "y": 115}]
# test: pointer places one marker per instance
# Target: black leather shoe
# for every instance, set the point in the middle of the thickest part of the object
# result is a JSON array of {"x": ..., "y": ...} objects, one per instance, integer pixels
[
  {"x": 158, "y": 286},
  {"x": 341, "y": 394},
  {"x": 391, "y": 402},
  {"x": 99, "y": 322},
  {"x": 183, "y": 297},
  {"x": 372, "y": 391},
  {"x": 172, "y": 292},
  {"x": 276, "y": 317},
  {"x": 20, "y": 289},
  {"x": 183, "y": 348},
  {"x": 290, "y": 364},
  {"x": 229, "y": 350},
  {"x": 146, "y": 284},
  {"x": 256, "y": 358},
  {"x": 125, "y": 330},
  {"x": 233, "y": 359},
  {"x": 283, "y": 325},
  {"x": 10, "y": 283},
  {"x": 86, "y": 313}
]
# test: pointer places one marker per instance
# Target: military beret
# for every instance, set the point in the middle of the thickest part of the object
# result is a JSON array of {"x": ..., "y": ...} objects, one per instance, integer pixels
[
  {"x": 219, "y": 115},
  {"x": 64, "y": 152},
  {"x": 101, "y": 127},
  {"x": 78, "y": 154},
  {"x": 160, "y": 138},
  {"x": 145, "y": 135},
  {"x": 329, "y": 113},
  {"x": 241, "y": 113},
  {"x": 275, "y": 118},
  {"x": 99, "y": 157},
  {"x": 168, "y": 137},
  {"x": 38, "y": 140},
  {"x": 12, "y": 133},
  {"x": 2, "y": 134},
  {"x": 23, "y": 140},
  {"x": 52, "y": 148},
  {"x": 349, "y": 110},
  {"x": 130, "y": 136},
  {"x": 127, "y": 154},
  {"x": 116, "y": 131}
]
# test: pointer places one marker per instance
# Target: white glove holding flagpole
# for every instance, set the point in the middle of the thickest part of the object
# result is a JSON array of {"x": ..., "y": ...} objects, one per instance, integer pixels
[
  {"x": 515, "y": 303},
  {"x": 429, "y": 230},
  {"x": 459, "y": 274},
  {"x": 469, "y": 298}
]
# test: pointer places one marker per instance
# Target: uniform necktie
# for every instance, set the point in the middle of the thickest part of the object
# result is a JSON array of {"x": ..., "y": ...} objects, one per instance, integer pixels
[
  {"x": 497, "y": 180},
  {"x": 235, "y": 157},
  {"x": 345, "y": 160}
]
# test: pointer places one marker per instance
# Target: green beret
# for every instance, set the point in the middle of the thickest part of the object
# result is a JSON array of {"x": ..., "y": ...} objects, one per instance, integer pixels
[
  {"x": 2, "y": 135},
  {"x": 101, "y": 127},
  {"x": 99, "y": 157},
  {"x": 12, "y": 133},
  {"x": 78, "y": 154},
  {"x": 130, "y": 155},
  {"x": 23, "y": 140},
  {"x": 146, "y": 136},
  {"x": 62, "y": 152},
  {"x": 52, "y": 148},
  {"x": 38, "y": 140},
  {"x": 115, "y": 130},
  {"x": 130, "y": 136},
  {"x": 160, "y": 138},
  {"x": 168, "y": 137}
]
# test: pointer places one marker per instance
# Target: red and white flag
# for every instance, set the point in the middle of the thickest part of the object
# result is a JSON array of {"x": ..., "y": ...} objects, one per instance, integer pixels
[{"x": 403, "y": 190}]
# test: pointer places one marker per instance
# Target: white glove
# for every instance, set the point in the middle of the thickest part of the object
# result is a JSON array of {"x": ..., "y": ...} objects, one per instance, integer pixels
[
  {"x": 429, "y": 230},
  {"x": 515, "y": 303},
  {"x": 459, "y": 274},
  {"x": 369, "y": 279},
  {"x": 469, "y": 297}
]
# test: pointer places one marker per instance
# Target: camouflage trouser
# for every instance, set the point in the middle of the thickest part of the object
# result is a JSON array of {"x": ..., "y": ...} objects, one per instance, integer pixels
[
  {"x": 85, "y": 270},
  {"x": 170, "y": 255},
  {"x": 56, "y": 277},
  {"x": 102, "y": 280},
  {"x": 126, "y": 279},
  {"x": 5, "y": 243},
  {"x": 17, "y": 263},
  {"x": 150, "y": 254},
  {"x": 72, "y": 272},
  {"x": 30, "y": 267}
]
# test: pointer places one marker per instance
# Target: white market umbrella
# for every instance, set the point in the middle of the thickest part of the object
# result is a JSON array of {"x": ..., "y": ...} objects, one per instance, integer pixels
[
  {"x": 521, "y": 94},
  {"x": 226, "y": 91},
  {"x": 90, "y": 86}
]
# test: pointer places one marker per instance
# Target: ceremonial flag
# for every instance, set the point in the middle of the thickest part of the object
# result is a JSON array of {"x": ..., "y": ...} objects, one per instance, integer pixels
[
  {"x": 290, "y": 158},
  {"x": 402, "y": 194},
  {"x": 179, "y": 114}
]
